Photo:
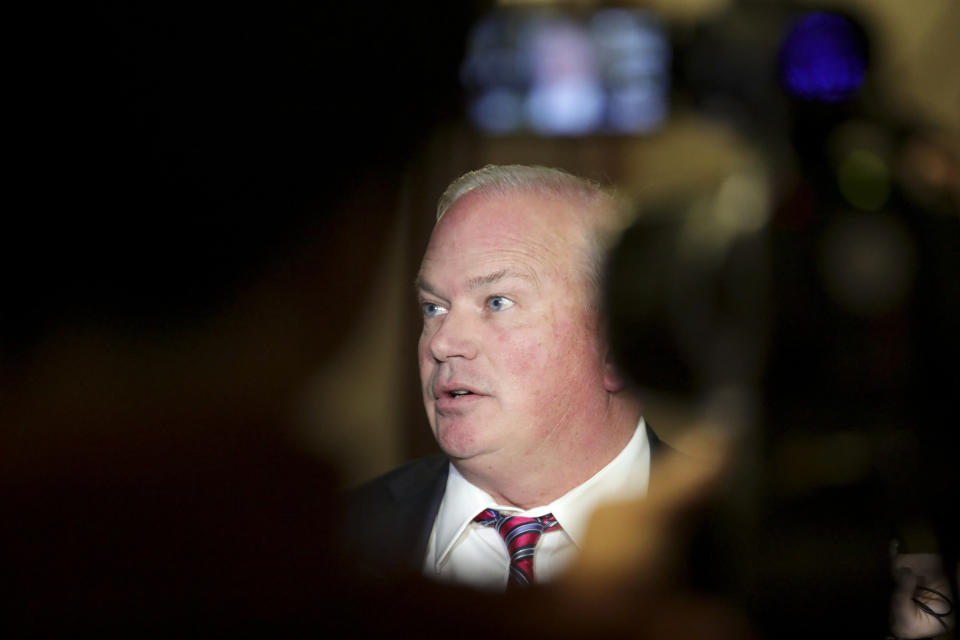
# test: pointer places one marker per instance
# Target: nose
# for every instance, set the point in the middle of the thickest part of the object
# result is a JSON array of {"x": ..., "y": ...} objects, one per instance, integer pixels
[{"x": 453, "y": 337}]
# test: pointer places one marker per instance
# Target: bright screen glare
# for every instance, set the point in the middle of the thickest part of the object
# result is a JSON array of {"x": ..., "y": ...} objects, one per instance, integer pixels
[{"x": 556, "y": 74}]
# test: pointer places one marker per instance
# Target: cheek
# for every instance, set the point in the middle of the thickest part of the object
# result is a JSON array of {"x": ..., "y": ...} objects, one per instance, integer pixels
[
  {"x": 523, "y": 355},
  {"x": 553, "y": 362},
  {"x": 424, "y": 359}
]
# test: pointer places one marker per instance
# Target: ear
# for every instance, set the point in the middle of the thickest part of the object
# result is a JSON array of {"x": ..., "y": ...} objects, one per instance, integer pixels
[{"x": 612, "y": 381}]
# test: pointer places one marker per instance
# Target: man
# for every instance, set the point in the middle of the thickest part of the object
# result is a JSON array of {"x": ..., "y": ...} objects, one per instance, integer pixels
[
  {"x": 535, "y": 423},
  {"x": 530, "y": 414}
]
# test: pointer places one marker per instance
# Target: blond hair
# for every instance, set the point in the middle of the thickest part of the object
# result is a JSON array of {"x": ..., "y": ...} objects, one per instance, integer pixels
[{"x": 598, "y": 205}]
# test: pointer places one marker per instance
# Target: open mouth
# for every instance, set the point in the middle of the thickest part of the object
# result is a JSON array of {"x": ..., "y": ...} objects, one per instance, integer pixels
[
  {"x": 455, "y": 398},
  {"x": 455, "y": 393}
]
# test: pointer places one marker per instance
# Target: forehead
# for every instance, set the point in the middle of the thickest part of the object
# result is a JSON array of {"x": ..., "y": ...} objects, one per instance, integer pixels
[{"x": 532, "y": 229}]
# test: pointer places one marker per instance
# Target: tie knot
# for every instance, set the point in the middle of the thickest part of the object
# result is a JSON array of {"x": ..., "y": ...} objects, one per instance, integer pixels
[
  {"x": 505, "y": 524},
  {"x": 521, "y": 535}
]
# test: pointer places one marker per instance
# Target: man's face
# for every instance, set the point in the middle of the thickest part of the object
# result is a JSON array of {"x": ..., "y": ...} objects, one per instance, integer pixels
[{"x": 510, "y": 361}]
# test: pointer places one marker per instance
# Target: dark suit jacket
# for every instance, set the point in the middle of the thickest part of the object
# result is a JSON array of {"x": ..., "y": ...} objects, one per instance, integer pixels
[{"x": 388, "y": 520}]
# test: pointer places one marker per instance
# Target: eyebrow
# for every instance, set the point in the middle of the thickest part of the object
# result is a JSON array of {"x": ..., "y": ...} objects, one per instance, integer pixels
[
  {"x": 422, "y": 285},
  {"x": 496, "y": 276},
  {"x": 478, "y": 281}
]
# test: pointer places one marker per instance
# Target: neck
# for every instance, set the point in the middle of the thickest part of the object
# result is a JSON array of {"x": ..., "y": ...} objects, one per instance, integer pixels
[{"x": 531, "y": 481}]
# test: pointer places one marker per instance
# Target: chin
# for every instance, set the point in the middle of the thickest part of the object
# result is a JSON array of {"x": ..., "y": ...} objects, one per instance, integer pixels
[
  {"x": 457, "y": 449},
  {"x": 458, "y": 440}
]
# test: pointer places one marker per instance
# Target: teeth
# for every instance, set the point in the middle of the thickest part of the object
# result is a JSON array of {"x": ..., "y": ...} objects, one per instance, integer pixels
[{"x": 459, "y": 392}]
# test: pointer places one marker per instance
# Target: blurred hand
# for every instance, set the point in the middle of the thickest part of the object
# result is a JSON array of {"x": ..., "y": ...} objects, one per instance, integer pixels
[
  {"x": 626, "y": 573},
  {"x": 640, "y": 541},
  {"x": 914, "y": 574}
]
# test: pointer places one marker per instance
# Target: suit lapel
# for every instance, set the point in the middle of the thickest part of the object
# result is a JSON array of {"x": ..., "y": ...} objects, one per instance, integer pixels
[{"x": 417, "y": 497}]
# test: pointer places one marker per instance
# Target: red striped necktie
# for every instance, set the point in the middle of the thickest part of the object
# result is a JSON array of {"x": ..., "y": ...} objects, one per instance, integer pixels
[{"x": 521, "y": 535}]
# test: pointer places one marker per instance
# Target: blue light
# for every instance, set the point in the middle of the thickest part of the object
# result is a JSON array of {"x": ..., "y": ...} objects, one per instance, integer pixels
[{"x": 823, "y": 58}]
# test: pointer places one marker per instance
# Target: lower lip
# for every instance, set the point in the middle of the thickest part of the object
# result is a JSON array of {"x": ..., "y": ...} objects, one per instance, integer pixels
[{"x": 451, "y": 403}]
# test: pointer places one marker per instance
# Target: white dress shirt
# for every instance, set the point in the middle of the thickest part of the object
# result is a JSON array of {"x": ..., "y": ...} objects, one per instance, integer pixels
[{"x": 466, "y": 552}]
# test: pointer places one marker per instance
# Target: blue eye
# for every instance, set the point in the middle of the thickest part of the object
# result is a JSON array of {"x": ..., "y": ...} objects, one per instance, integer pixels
[
  {"x": 499, "y": 303},
  {"x": 432, "y": 309}
]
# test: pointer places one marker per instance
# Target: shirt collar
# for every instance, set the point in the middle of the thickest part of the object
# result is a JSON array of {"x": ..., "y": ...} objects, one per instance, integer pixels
[
  {"x": 623, "y": 478},
  {"x": 461, "y": 503}
]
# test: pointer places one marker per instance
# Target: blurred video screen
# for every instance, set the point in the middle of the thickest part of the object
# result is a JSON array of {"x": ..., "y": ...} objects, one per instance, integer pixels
[{"x": 565, "y": 73}]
